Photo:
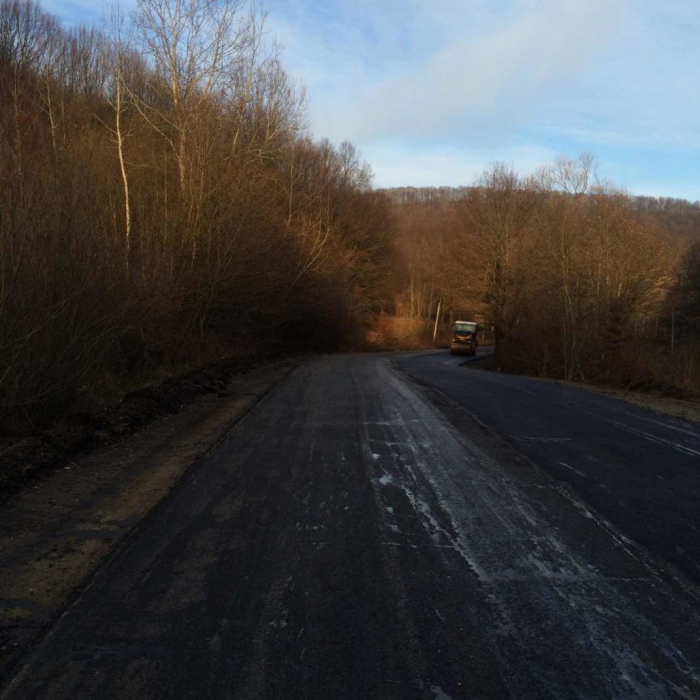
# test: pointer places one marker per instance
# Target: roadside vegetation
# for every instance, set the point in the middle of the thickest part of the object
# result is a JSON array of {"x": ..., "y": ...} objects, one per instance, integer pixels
[
  {"x": 576, "y": 279},
  {"x": 162, "y": 205}
]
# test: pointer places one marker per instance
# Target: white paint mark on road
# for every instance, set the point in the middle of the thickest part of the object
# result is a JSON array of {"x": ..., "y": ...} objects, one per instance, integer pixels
[
  {"x": 617, "y": 537},
  {"x": 440, "y": 694},
  {"x": 659, "y": 440},
  {"x": 641, "y": 433},
  {"x": 398, "y": 422},
  {"x": 576, "y": 471},
  {"x": 669, "y": 423}
]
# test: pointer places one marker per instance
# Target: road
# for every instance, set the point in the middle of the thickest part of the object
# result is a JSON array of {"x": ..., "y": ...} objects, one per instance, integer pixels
[
  {"x": 639, "y": 469},
  {"x": 400, "y": 527}
]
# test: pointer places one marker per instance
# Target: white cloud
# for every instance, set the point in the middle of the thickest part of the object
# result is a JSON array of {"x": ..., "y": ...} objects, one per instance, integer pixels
[
  {"x": 433, "y": 90},
  {"x": 485, "y": 77}
]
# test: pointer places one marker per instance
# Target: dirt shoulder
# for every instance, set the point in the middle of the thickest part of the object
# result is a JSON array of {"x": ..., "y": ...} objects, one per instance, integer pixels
[
  {"x": 685, "y": 409},
  {"x": 25, "y": 460},
  {"x": 55, "y": 531}
]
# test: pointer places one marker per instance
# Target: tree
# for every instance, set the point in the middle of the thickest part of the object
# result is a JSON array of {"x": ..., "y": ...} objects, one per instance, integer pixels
[
  {"x": 496, "y": 211},
  {"x": 195, "y": 48}
]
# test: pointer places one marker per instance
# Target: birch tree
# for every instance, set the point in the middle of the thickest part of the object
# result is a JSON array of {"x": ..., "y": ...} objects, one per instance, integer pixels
[{"x": 194, "y": 48}]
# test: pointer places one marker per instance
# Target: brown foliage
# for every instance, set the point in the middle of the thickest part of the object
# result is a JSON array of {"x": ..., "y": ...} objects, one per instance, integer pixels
[
  {"x": 161, "y": 203},
  {"x": 572, "y": 275}
]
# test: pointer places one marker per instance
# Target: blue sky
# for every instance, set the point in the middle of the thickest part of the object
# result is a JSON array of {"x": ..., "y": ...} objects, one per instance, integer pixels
[{"x": 432, "y": 91}]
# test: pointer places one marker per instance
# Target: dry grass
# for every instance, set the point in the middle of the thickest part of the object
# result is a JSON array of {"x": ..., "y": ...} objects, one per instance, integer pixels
[{"x": 405, "y": 333}]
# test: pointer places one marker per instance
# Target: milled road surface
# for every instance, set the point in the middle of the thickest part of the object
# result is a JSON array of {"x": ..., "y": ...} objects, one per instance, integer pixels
[{"x": 359, "y": 535}]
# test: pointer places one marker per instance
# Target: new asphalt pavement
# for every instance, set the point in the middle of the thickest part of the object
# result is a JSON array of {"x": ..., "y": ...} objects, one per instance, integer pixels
[{"x": 397, "y": 527}]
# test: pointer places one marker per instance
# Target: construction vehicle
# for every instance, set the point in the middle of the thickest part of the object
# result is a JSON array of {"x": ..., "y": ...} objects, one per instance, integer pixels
[{"x": 465, "y": 338}]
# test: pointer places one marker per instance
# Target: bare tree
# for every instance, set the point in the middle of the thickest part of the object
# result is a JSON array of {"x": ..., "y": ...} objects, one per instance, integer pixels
[
  {"x": 123, "y": 65},
  {"x": 195, "y": 47},
  {"x": 496, "y": 211}
]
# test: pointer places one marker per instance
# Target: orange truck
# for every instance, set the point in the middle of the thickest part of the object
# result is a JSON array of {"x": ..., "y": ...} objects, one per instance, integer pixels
[{"x": 465, "y": 338}]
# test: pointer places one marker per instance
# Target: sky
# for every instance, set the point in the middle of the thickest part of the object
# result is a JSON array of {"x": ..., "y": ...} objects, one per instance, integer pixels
[{"x": 434, "y": 91}]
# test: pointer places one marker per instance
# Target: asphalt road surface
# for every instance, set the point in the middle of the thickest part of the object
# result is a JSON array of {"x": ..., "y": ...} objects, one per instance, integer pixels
[
  {"x": 400, "y": 527},
  {"x": 639, "y": 469}
]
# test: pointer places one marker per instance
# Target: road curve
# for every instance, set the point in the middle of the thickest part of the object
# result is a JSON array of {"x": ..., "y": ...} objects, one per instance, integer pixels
[
  {"x": 360, "y": 535},
  {"x": 639, "y": 469}
]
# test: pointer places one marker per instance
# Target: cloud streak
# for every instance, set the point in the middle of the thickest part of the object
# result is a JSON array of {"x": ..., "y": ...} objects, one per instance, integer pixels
[
  {"x": 441, "y": 87},
  {"x": 484, "y": 79}
]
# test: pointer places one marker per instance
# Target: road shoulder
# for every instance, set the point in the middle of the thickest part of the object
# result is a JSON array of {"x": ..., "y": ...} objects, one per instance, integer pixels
[
  {"x": 56, "y": 532},
  {"x": 687, "y": 409}
]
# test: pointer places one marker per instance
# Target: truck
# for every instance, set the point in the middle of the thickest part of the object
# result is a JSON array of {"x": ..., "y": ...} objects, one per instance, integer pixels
[{"x": 465, "y": 338}]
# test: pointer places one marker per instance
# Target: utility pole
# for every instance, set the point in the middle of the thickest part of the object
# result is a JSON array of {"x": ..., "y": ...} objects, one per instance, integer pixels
[
  {"x": 430, "y": 302},
  {"x": 673, "y": 332},
  {"x": 437, "y": 320}
]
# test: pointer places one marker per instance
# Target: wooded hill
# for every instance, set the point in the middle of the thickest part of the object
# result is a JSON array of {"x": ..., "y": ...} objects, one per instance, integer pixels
[
  {"x": 577, "y": 279},
  {"x": 679, "y": 217},
  {"x": 162, "y": 203}
]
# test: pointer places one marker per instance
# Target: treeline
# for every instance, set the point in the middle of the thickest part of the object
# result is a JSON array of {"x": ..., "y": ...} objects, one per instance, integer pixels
[
  {"x": 161, "y": 203},
  {"x": 679, "y": 217},
  {"x": 577, "y": 280},
  {"x": 425, "y": 195}
]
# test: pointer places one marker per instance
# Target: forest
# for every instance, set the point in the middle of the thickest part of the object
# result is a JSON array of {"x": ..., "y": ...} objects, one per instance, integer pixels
[
  {"x": 163, "y": 204},
  {"x": 576, "y": 279}
]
